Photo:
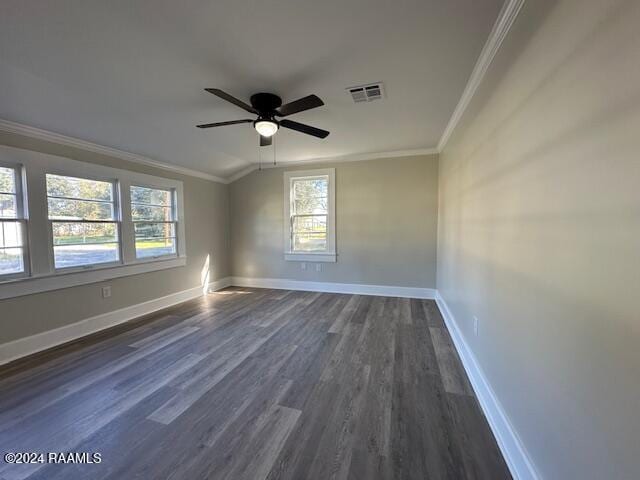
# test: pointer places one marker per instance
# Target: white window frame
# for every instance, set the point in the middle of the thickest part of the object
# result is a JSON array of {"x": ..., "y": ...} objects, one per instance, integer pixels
[
  {"x": 329, "y": 255},
  {"x": 117, "y": 220},
  {"x": 38, "y": 241},
  {"x": 174, "y": 204},
  {"x": 22, "y": 218}
]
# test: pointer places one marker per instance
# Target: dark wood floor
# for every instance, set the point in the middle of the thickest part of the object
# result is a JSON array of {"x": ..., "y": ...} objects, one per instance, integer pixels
[{"x": 256, "y": 384}]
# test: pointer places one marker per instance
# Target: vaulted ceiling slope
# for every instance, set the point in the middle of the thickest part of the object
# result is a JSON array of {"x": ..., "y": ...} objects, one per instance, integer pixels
[{"x": 130, "y": 74}]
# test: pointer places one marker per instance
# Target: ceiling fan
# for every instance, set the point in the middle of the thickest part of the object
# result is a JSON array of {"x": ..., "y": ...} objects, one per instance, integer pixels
[{"x": 268, "y": 106}]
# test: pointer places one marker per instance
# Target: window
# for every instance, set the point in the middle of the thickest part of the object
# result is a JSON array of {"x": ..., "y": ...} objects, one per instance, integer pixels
[
  {"x": 83, "y": 218},
  {"x": 153, "y": 216},
  {"x": 310, "y": 214},
  {"x": 85, "y": 223},
  {"x": 309, "y": 209},
  {"x": 12, "y": 225}
]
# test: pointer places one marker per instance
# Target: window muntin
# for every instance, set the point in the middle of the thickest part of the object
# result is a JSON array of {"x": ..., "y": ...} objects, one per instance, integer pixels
[
  {"x": 84, "y": 223},
  {"x": 154, "y": 219},
  {"x": 12, "y": 225},
  {"x": 309, "y": 213}
]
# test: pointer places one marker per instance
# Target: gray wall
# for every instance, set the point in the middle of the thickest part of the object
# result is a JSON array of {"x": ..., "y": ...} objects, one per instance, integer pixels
[
  {"x": 539, "y": 234},
  {"x": 386, "y": 214},
  {"x": 206, "y": 215}
]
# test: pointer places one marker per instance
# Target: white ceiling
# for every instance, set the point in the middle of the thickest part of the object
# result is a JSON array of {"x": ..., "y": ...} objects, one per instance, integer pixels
[{"x": 130, "y": 74}]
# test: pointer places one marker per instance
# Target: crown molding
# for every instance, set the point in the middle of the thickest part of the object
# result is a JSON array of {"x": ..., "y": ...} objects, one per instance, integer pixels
[
  {"x": 40, "y": 134},
  {"x": 506, "y": 18},
  {"x": 360, "y": 157},
  {"x": 242, "y": 173}
]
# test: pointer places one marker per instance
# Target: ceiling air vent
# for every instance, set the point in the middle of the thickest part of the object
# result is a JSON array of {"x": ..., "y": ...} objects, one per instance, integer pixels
[{"x": 366, "y": 93}]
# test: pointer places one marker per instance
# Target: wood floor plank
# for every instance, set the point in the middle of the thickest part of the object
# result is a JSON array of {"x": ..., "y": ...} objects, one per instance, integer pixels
[
  {"x": 453, "y": 376},
  {"x": 269, "y": 438},
  {"x": 432, "y": 312},
  {"x": 305, "y": 368},
  {"x": 480, "y": 454},
  {"x": 345, "y": 315},
  {"x": 108, "y": 441},
  {"x": 366, "y": 465},
  {"x": 251, "y": 383},
  {"x": 200, "y": 385},
  {"x": 58, "y": 435},
  {"x": 374, "y": 431},
  {"x": 405, "y": 311},
  {"x": 229, "y": 441},
  {"x": 251, "y": 407},
  {"x": 333, "y": 458}
]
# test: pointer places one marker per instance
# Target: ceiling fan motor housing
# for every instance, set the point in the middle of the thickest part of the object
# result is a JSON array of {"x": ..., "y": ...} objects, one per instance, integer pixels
[{"x": 266, "y": 103}]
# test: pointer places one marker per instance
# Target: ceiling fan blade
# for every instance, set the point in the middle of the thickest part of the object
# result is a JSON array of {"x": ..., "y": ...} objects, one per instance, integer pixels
[
  {"x": 265, "y": 141},
  {"x": 300, "y": 105},
  {"x": 225, "y": 96},
  {"x": 301, "y": 127},
  {"x": 222, "y": 124}
]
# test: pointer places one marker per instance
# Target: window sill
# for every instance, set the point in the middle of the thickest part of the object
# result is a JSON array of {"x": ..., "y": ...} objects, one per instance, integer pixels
[
  {"x": 310, "y": 257},
  {"x": 18, "y": 287}
]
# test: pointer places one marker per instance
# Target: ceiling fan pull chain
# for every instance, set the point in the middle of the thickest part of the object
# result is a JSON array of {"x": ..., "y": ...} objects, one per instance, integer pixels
[
  {"x": 259, "y": 160},
  {"x": 274, "y": 152}
]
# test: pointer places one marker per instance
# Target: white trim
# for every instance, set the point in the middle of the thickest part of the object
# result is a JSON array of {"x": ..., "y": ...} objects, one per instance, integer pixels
[
  {"x": 244, "y": 172},
  {"x": 501, "y": 28},
  {"x": 310, "y": 257},
  {"x": 511, "y": 446},
  {"x": 40, "y": 134},
  {"x": 43, "y": 341},
  {"x": 60, "y": 279},
  {"x": 220, "y": 284},
  {"x": 359, "y": 157},
  {"x": 331, "y": 287}
]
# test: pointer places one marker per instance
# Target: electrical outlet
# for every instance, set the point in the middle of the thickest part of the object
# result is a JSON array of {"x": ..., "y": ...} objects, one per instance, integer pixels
[
  {"x": 303, "y": 266},
  {"x": 475, "y": 326},
  {"x": 318, "y": 267},
  {"x": 106, "y": 291}
]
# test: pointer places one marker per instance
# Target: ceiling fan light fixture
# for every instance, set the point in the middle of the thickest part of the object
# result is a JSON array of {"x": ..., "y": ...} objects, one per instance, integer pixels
[
  {"x": 267, "y": 106},
  {"x": 266, "y": 128}
]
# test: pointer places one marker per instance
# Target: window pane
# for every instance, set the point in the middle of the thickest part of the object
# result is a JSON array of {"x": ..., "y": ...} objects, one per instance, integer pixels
[
  {"x": 144, "y": 212},
  {"x": 315, "y": 187},
  {"x": 84, "y": 233},
  {"x": 11, "y": 261},
  {"x": 310, "y": 242},
  {"x": 310, "y": 205},
  {"x": 310, "y": 224},
  {"x": 7, "y": 180},
  {"x": 10, "y": 234},
  {"x": 81, "y": 188},
  {"x": 63, "y": 209},
  {"x": 76, "y": 255},
  {"x": 155, "y": 247},
  {"x": 8, "y": 207},
  {"x": 150, "y": 196},
  {"x": 309, "y": 233},
  {"x": 155, "y": 230}
]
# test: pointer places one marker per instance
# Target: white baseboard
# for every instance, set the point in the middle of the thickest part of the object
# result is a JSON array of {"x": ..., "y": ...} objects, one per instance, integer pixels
[
  {"x": 331, "y": 287},
  {"x": 42, "y": 341},
  {"x": 511, "y": 446},
  {"x": 220, "y": 284}
]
